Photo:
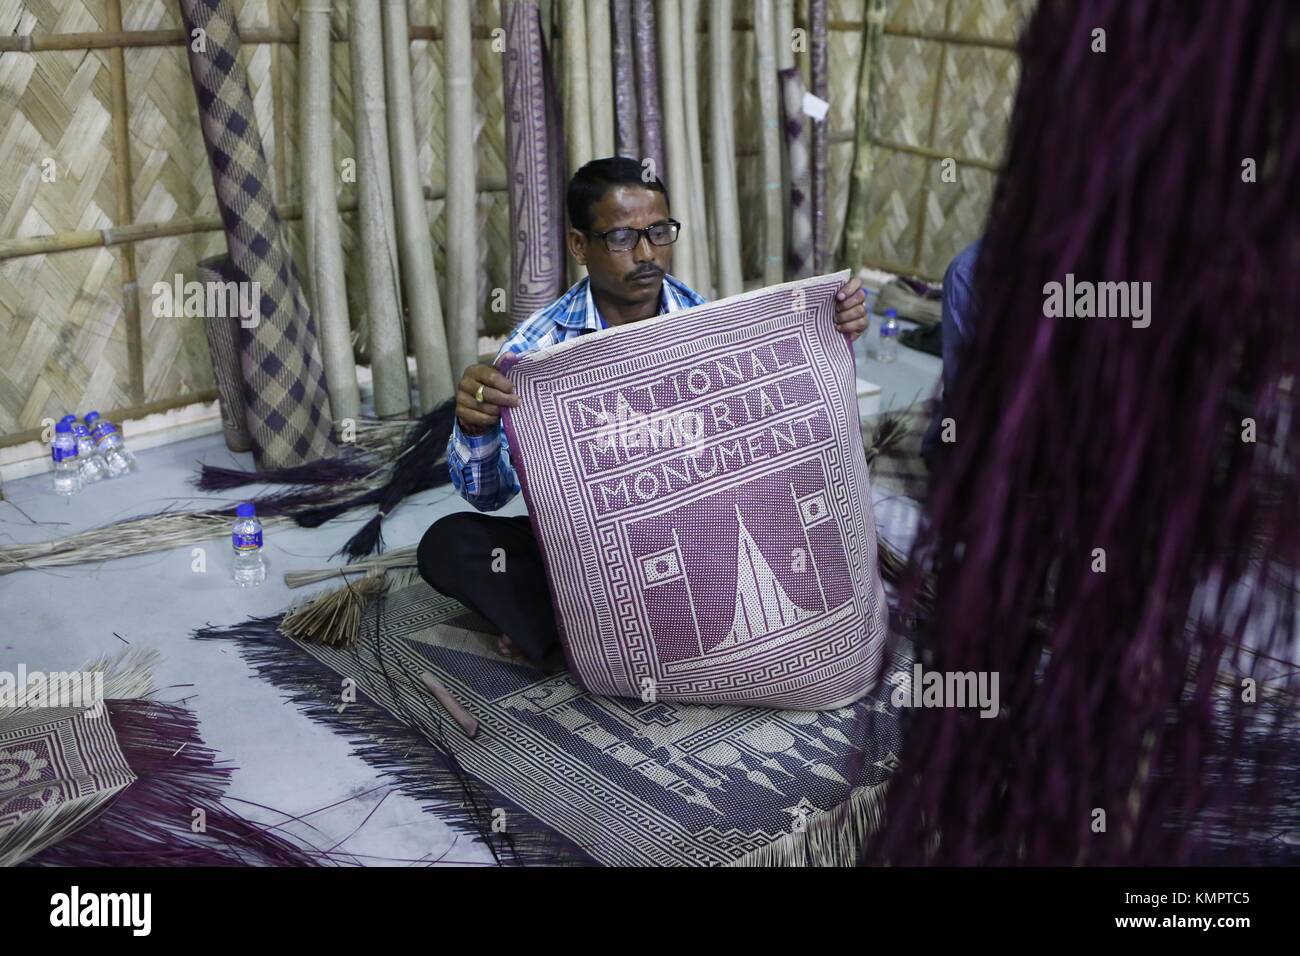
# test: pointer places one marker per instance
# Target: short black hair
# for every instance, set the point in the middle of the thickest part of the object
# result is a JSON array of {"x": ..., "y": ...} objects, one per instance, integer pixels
[{"x": 590, "y": 183}]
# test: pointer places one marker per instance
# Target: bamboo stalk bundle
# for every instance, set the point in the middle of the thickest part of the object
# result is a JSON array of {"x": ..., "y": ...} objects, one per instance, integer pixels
[
  {"x": 378, "y": 232},
  {"x": 869, "y": 82},
  {"x": 461, "y": 232},
  {"x": 773, "y": 220},
  {"x": 626, "y": 118},
  {"x": 820, "y": 81},
  {"x": 799, "y": 257},
  {"x": 577, "y": 83},
  {"x": 415, "y": 245},
  {"x": 320, "y": 209},
  {"x": 645, "y": 40},
  {"x": 695, "y": 156},
  {"x": 600, "y": 78},
  {"x": 679, "y": 158},
  {"x": 726, "y": 209}
]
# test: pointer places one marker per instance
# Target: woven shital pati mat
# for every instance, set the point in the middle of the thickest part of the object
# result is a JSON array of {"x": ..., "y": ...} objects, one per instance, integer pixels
[{"x": 558, "y": 776}]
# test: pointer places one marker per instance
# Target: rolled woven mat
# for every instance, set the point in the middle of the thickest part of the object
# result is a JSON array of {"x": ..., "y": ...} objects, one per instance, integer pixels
[
  {"x": 287, "y": 405},
  {"x": 627, "y": 133},
  {"x": 223, "y": 346},
  {"x": 647, "y": 83},
  {"x": 535, "y": 158},
  {"x": 799, "y": 253}
]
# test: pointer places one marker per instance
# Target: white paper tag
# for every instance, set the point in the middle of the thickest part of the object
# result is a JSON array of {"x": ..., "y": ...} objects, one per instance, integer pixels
[{"x": 815, "y": 106}]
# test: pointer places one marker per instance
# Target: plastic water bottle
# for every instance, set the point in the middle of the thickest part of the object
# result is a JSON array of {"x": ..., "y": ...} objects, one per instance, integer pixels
[
  {"x": 110, "y": 444},
  {"x": 889, "y": 337},
  {"x": 93, "y": 467},
  {"x": 246, "y": 538},
  {"x": 67, "y": 471}
]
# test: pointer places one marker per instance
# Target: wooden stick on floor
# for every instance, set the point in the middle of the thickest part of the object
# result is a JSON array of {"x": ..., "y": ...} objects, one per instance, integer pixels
[{"x": 467, "y": 721}]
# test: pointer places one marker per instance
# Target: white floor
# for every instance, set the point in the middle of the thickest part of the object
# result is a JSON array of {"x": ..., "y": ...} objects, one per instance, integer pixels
[{"x": 61, "y": 618}]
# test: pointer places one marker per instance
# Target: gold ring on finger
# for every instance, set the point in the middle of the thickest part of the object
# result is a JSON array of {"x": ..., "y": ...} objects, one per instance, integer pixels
[{"x": 478, "y": 396}]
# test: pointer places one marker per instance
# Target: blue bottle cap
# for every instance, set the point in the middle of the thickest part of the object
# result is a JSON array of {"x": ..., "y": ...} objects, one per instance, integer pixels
[
  {"x": 246, "y": 510},
  {"x": 68, "y": 418},
  {"x": 891, "y": 313},
  {"x": 63, "y": 426},
  {"x": 91, "y": 417}
]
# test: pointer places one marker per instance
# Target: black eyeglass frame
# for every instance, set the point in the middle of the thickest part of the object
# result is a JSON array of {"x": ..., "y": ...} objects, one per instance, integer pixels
[{"x": 677, "y": 231}]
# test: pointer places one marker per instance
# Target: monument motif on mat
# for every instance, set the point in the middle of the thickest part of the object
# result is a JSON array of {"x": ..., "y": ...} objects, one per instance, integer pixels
[{"x": 699, "y": 487}]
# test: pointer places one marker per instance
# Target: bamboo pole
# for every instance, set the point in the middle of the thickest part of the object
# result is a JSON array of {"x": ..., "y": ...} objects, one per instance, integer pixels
[
  {"x": 784, "y": 25},
  {"x": 461, "y": 238},
  {"x": 601, "y": 78},
  {"x": 281, "y": 157},
  {"x": 415, "y": 245},
  {"x": 691, "y": 102},
  {"x": 142, "y": 231},
  {"x": 374, "y": 187},
  {"x": 577, "y": 80},
  {"x": 254, "y": 36},
  {"x": 855, "y": 222},
  {"x": 126, "y": 209},
  {"x": 726, "y": 234},
  {"x": 773, "y": 220},
  {"x": 669, "y": 23},
  {"x": 320, "y": 210},
  {"x": 121, "y": 414},
  {"x": 139, "y": 39}
]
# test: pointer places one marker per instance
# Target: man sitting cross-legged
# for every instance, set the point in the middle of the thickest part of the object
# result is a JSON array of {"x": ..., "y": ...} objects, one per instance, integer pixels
[{"x": 621, "y": 229}]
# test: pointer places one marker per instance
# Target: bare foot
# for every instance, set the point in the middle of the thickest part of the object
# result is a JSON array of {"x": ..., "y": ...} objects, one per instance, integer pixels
[{"x": 507, "y": 649}]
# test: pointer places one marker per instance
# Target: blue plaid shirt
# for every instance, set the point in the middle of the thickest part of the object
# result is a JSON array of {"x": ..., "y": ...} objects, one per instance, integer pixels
[{"x": 480, "y": 464}]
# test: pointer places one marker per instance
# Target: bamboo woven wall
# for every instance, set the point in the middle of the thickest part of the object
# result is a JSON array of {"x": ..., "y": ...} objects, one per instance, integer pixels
[{"x": 132, "y": 196}]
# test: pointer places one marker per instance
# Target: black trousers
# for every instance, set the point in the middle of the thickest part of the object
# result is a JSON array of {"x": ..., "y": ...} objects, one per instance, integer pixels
[{"x": 492, "y": 564}]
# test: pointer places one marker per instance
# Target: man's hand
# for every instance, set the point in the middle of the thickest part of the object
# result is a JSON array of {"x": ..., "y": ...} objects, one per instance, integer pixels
[
  {"x": 477, "y": 417},
  {"x": 851, "y": 309}
]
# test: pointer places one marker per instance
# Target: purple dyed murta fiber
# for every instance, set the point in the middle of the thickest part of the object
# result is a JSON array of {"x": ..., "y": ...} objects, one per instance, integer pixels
[{"x": 1117, "y": 516}]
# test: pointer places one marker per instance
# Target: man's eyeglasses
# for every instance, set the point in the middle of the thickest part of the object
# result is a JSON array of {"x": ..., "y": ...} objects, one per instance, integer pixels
[{"x": 625, "y": 239}]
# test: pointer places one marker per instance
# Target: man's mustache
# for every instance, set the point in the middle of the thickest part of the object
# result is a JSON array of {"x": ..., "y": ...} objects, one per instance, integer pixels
[{"x": 650, "y": 271}]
